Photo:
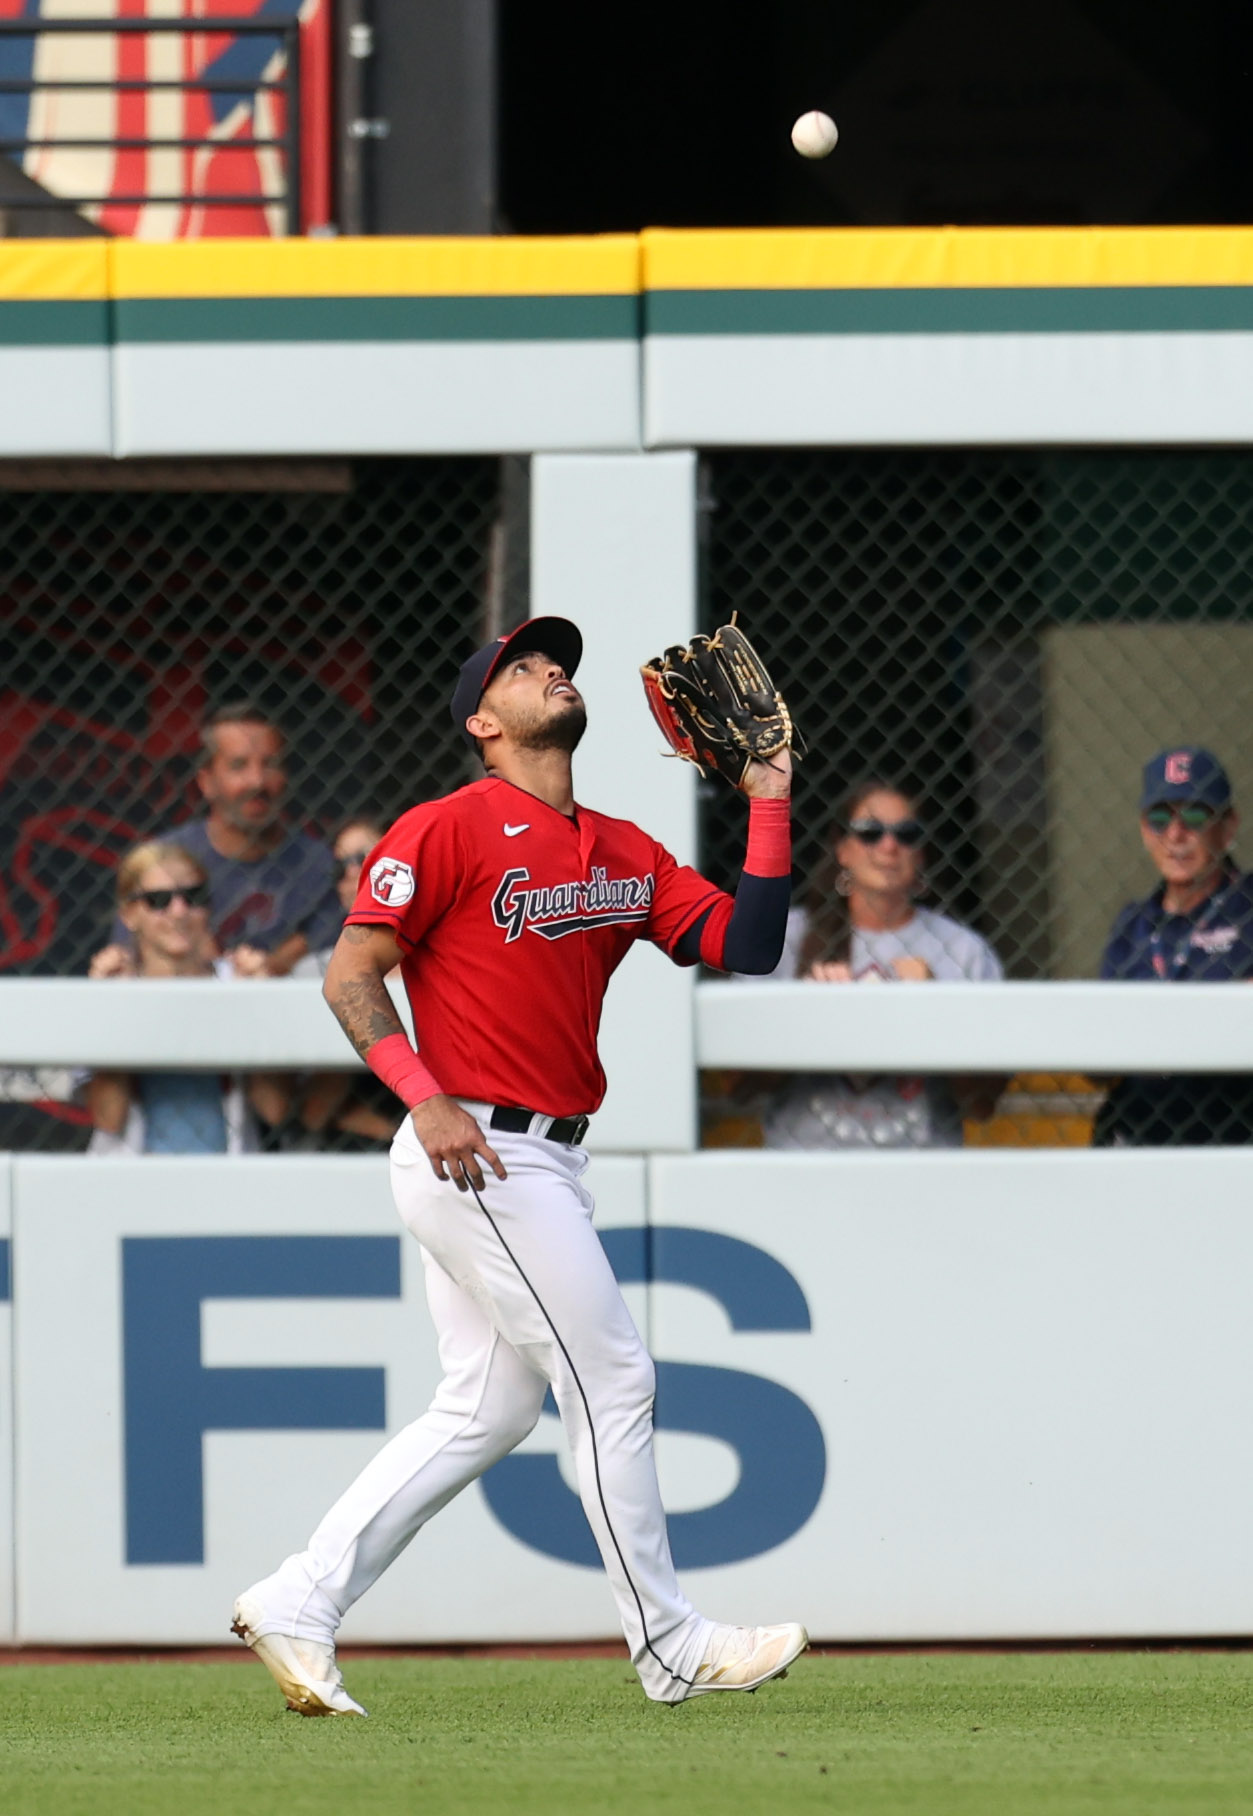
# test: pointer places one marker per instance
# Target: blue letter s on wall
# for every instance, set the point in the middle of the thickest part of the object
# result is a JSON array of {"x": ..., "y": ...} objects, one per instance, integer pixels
[{"x": 782, "y": 1455}]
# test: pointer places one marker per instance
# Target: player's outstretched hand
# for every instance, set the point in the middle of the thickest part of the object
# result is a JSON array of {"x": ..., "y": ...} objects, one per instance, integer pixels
[
  {"x": 452, "y": 1139},
  {"x": 768, "y": 778}
]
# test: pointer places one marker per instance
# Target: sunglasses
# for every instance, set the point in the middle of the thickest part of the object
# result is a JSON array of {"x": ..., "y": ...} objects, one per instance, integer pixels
[
  {"x": 353, "y": 860},
  {"x": 1192, "y": 814},
  {"x": 196, "y": 896},
  {"x": 909, "y": 833}
]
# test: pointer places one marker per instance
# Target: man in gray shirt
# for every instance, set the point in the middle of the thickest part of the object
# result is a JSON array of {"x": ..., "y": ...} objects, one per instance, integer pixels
[{"x": 272, "y": 889}]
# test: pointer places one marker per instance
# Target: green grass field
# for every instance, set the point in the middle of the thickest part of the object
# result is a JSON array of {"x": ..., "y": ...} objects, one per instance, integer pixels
[{"x": 1140, "y": 1733}]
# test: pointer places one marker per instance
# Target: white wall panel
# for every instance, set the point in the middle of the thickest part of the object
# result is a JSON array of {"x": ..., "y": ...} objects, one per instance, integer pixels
[
  {"x": 466, "y": 1578},
  {"x": 1102, "y": 1027},
  {"x": 56, "y": 401},
  {"x": 771, "y": 390},
  {"x": 1071, "y": 1026},
  {"x": 900, "y": 1396},
  {"x": 384, "y": 397},
  {"x": 613, "y": 546},
  {"x": 1033, "y": 1375}
]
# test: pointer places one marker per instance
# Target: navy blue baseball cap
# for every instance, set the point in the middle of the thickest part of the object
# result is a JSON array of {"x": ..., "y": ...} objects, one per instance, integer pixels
[
  {"x": 555, "y": 637},
  {"x": 1186, "y": 774}
]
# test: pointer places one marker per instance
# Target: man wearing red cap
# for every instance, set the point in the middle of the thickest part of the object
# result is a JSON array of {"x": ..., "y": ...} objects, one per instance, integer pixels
[{"x": 508, "y": 907}]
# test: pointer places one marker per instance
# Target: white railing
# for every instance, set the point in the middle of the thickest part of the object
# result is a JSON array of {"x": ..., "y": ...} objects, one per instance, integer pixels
[
  {"x": 932, "y": 1027},
  {"x": 1070, "y": 1027},
  {"x": 172, "y": 1022}
]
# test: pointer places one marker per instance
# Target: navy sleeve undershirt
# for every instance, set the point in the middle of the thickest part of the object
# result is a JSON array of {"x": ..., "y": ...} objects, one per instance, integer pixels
[{"x": 755, "y": 932}]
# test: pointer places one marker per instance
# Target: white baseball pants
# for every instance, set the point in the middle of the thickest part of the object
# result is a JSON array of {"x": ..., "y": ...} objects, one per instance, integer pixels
[{"x": 522, "y": 1296}]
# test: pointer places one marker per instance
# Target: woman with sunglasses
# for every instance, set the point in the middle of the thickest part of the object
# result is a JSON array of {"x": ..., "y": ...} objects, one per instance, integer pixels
[
  {"x": 1197, "y": 926},
  {"x": 861, "y": 923},
  {"x": 163, "y": 899}
]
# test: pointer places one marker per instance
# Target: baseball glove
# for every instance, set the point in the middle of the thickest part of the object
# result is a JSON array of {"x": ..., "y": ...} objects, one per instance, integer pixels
[{"x": 717, "y": 706}]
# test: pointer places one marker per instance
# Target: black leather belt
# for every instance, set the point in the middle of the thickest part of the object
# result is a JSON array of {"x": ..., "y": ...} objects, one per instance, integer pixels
[{"x": 567, "y": 1129}]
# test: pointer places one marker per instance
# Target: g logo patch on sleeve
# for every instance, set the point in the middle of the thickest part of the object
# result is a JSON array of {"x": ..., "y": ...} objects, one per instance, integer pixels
[{"x": 391, "y": 882}]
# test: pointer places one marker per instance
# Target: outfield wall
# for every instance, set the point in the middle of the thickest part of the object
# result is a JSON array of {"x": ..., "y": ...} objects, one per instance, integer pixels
[
  {"x": 620, "y": 342},
  {"x": 944, "y": 1395},
  {"x": 893, "y": 336},
  {"x": 927, "y": 1396}
]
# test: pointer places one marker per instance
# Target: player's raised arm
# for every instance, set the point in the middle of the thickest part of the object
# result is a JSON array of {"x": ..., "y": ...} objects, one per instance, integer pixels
[
  {"x": 718, "y": 709},
  {"x": 755, "y": 934},
  {"x": 744, "y": 933},
  {"x": 355, "y": 989}
]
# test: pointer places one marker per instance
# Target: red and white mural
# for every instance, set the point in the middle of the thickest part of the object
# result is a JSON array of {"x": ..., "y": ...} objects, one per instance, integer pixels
[{"x": 141, "y": 184}]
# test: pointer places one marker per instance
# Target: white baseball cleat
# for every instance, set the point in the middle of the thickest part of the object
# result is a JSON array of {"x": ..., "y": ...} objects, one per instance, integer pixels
[
  {"x": 741, "y": 1658},
  {"x": 304, "y": 1669}
]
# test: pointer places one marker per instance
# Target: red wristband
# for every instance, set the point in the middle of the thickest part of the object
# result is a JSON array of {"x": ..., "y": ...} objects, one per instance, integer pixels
[
  {"x": 769, "y": 839},
  {"x": 395, "y": 1062}
]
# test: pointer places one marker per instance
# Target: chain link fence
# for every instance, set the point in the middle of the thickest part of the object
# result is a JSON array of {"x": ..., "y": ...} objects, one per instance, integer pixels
[
  {"x": 1007, "y": 636},
  {"x": 1004, "y": 635},
  {"x": 337, "y": 596}
]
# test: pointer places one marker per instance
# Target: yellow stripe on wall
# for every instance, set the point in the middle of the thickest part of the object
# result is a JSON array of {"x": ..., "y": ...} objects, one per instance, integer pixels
[
  {"x": 619, "y": 264},
  {"x": 61, "y": 271},
  {"x": 607, "y": 265},
  {"x": 945, "y": 257}
]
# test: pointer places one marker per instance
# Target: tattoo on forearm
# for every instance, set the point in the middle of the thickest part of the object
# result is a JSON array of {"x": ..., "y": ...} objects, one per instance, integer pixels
[{"x": 364, "y": 1010}]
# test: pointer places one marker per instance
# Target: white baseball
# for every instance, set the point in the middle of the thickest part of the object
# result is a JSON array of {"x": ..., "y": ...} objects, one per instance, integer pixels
[{"x": 815, "y": 134}]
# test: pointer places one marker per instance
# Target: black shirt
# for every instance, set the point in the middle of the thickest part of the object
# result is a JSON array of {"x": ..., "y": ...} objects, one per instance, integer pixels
[{"x": 1211, "y": 944}]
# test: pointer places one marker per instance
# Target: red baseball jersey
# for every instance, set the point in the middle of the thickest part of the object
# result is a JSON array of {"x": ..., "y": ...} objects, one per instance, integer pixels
[{"x": 511, "y": 919}]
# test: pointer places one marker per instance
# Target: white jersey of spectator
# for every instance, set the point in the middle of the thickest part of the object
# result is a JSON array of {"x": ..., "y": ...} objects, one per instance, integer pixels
[
  {"x": 951, "y": 952},
  {"x": 824, "y": 1110}
]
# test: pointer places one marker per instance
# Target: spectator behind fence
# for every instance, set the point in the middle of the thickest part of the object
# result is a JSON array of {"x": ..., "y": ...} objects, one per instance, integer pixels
[
  {"x": 272, "y": 889},
  {"x": 1196, "y": 927},
  {"x": 163, "y": 901},
  {"x": 351, "y": 845},
  {"x": 349, "y": 1110},
  {"x": 861, "y": 924}
]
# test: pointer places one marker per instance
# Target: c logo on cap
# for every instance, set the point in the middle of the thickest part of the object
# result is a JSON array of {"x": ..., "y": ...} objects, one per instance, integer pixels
[{"x": 1179, "y": 767}]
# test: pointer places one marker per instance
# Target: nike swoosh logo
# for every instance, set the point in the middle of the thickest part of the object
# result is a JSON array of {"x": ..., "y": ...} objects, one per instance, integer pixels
[{"x": 511, "y": 832}]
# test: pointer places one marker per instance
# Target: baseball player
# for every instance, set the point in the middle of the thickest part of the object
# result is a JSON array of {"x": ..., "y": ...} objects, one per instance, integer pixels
[{"x": 508, "y": 907}]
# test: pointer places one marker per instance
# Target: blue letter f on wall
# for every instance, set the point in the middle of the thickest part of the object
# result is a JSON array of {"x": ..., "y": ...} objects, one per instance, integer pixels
[{"x": 172, "y": 1399}]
